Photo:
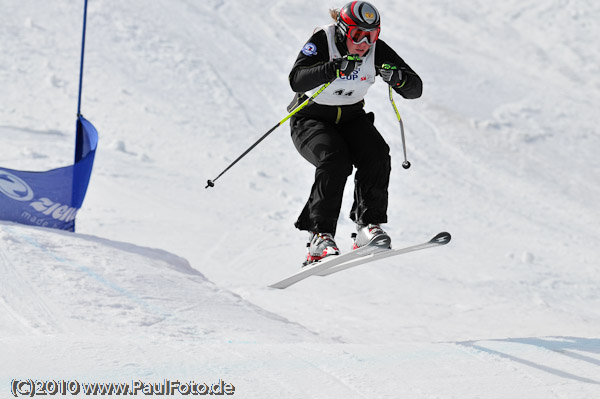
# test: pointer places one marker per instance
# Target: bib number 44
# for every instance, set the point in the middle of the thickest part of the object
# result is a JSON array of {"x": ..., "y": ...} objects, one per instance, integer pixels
[{"x": 342, "y": 92}]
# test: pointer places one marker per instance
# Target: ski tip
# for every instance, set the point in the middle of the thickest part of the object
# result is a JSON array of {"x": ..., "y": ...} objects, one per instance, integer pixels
[{"x": 441, "y": 239}]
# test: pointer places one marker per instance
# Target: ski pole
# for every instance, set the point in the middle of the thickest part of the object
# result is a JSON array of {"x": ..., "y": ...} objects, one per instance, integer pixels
[
  {"x": 405, "y": 164},
  {"x": 211, "y": 183}
]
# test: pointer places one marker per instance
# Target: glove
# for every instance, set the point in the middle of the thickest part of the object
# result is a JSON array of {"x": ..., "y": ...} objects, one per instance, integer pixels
[
  {"x": 391, "y": 75},
  {"x": 346, "y": 65}
]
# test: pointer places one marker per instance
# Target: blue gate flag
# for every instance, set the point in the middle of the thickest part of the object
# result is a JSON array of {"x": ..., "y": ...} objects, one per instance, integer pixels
[{"x": 52, "y": 198}]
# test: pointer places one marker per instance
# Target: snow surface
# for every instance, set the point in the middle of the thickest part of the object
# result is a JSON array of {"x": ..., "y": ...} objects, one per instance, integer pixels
[{"x": 504, "y": 146}]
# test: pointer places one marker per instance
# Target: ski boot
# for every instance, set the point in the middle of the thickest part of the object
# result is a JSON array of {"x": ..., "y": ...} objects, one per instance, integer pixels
[
  {"x": 371, "y": 235},
  {"x": 321, "y": 245}
]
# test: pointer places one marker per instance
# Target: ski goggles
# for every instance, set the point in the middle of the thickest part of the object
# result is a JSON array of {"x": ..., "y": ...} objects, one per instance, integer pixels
[{"x": 359, "y": 35}]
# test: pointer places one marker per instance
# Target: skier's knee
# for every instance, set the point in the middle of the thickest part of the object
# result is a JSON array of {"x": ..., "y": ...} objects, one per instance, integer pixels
[
  {"x": 371, "y": 117},
  {"x": 338, "y": 163}
]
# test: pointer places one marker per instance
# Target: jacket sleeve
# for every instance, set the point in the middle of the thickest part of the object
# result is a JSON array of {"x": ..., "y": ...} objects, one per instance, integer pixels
[
  {"x": 312, "y": 67},
  {"x": 412, "y": 85}
]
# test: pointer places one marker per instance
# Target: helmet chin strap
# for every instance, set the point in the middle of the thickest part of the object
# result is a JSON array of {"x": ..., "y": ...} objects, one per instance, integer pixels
[{"x": 340, "y": 41}]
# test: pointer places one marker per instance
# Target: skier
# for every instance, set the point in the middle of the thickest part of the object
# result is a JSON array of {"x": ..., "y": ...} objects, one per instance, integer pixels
[{"x": 334, "y": 133}]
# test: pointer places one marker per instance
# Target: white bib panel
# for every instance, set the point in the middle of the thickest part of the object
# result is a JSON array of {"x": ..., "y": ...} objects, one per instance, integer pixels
[{"x": 351, "y": 89}]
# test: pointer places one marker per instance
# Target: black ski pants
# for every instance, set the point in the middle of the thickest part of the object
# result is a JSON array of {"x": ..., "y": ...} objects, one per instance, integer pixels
[{"x": 334, "y": 149}]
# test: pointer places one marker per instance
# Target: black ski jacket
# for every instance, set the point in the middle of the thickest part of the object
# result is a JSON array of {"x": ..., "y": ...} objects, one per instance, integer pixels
[{"x": 312, "y": 71}]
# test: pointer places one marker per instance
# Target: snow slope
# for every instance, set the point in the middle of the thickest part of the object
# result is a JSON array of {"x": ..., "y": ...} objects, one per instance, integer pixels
[{"x": 503, "y": 145}]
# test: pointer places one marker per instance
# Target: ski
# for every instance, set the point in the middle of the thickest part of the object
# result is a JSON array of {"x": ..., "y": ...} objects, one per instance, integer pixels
[
  {"x": 440, "y": 239},
  {"x": 359, "y": 256},
  {"x": 319, "y": 266}
]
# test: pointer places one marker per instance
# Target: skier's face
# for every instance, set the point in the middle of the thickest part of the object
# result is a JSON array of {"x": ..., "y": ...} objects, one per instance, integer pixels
[{"x": 360, "y": 49}]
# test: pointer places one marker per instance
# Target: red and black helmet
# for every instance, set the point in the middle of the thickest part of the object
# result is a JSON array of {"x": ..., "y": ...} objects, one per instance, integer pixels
[{"x": 359, "y": 21}]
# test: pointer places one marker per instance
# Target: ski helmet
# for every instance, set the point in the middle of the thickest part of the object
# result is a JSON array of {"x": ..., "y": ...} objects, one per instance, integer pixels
[{"x": 359, "y": 21}]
